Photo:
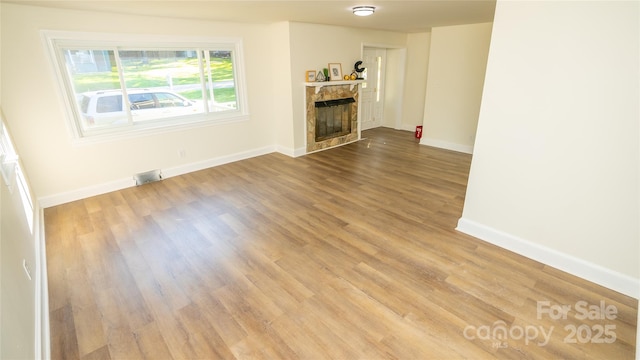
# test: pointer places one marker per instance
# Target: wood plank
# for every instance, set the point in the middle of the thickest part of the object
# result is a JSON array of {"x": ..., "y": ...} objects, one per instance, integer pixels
[{"x": 64, "y": 343}]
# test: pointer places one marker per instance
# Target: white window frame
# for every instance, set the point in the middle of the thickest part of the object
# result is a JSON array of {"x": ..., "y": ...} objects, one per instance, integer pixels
[
  {"x": 54, "y": 40},
  {"x": 13, "y": 175},
  {"x": 8, "y": 156}
]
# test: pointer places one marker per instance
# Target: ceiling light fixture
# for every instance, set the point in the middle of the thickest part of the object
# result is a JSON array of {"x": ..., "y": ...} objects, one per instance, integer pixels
[{"x": 363, "y": 10}]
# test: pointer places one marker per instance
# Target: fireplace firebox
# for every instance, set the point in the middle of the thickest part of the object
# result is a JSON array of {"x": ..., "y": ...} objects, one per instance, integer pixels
[{"x": 333, "y": 118}]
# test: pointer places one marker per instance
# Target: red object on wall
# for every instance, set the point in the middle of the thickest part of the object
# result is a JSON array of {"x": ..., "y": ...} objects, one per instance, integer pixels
[{"x": 419, "y": 132}]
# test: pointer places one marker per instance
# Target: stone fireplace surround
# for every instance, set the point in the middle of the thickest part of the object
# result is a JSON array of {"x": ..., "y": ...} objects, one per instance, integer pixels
[{"x": 323, "y": 92}]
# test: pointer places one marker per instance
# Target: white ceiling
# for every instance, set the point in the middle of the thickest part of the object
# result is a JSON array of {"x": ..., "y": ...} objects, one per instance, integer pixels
[{"x": 403, "y": 16}]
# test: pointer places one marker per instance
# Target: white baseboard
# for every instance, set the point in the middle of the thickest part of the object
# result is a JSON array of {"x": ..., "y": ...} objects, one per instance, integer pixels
[
  {"x": 221, "y": 160},
  {"x": 83, "y": 193},
  {"x": 600, "y": 275},
  {"x": 406, "y": 127},
  {"x": 300, "y": 151},
  {"x": 290, "y": 151},
  {"x": 467, "y": 149}
]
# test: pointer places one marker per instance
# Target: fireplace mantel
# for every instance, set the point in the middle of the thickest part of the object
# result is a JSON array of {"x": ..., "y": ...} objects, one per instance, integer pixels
[{"x": 319, "y": 84}]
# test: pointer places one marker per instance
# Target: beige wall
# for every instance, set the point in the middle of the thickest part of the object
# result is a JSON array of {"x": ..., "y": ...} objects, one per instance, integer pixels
[
  {"x": 555, "y": 172},
  {"x": 457, "y": 63},
  {"x": 415, "y": 85}
]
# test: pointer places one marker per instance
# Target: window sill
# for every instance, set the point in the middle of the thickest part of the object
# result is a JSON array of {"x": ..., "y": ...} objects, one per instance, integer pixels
[{"x": 129, "y": 133}]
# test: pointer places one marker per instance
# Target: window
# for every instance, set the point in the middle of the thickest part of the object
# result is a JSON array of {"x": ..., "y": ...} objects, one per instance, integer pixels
[
  {"x": 8, "y": 156},
  {"x": 11, "y": 170},
  {"x": 115, "y": 85}
]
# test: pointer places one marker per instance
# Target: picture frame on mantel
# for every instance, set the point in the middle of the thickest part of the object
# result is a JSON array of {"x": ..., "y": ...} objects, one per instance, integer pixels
[
  {"x": 310, "y": 75},
  {"x": 335, "y": 71}
]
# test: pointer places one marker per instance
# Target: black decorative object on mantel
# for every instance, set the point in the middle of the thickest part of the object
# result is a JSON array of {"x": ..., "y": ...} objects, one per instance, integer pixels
[{"x": 358, "y": 69}]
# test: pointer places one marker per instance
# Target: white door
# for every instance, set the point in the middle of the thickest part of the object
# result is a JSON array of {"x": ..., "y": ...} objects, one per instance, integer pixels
[{"x": 373, "y": 61}]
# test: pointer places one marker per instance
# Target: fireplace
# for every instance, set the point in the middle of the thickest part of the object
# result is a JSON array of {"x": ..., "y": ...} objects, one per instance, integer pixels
[{"x": 332, "y": 115}]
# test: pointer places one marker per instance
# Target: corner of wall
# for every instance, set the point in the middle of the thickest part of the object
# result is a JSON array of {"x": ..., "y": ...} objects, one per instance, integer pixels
[
  {"x": 456, "y": 71},
  {"x": 463, "y": 148},
  {"x": 282, "y": 85}
]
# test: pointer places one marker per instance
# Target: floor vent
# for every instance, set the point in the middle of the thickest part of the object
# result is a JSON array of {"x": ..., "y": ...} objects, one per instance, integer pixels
[{"x": 147, "y": 177}]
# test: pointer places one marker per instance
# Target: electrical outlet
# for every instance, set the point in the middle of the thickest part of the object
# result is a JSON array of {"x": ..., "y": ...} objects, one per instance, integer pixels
[
  {"x": 182, "y": 153},
  {"x": 27, "y": 268}
]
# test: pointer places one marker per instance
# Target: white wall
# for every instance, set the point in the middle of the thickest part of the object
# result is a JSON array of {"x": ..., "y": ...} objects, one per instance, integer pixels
[
  {"x": 32, "y": 106},
  {"x": 555, "y": 172},
  {"x": 457, "y": 64},
  {"x": 415, "y": 85}
]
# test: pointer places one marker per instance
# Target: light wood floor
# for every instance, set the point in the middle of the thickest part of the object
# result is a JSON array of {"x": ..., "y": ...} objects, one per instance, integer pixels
[{"x": 349, "y": 253}]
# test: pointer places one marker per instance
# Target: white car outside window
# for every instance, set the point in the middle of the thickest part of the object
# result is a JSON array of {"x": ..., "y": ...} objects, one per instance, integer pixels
[{"x": 102, "y": 108}]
